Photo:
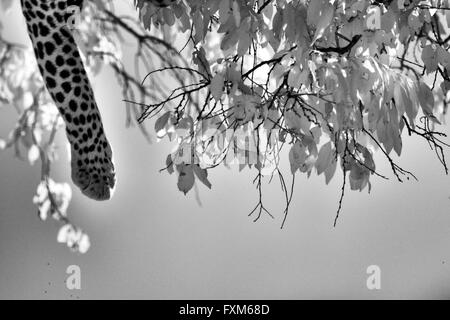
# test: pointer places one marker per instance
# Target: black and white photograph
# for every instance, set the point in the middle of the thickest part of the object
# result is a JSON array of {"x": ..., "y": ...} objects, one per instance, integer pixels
[{"x": 248, "y": 151}]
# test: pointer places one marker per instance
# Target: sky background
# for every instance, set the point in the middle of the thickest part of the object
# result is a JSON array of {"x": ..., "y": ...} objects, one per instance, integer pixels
[{"x": 152, "y": 242}]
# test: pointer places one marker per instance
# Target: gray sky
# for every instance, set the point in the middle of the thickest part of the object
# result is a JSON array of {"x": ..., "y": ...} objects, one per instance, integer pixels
[{"x": 151, "y": 241}]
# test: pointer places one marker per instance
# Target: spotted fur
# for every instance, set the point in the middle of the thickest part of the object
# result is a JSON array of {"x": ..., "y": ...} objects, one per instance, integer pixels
[{"x": 65, "y": 77}]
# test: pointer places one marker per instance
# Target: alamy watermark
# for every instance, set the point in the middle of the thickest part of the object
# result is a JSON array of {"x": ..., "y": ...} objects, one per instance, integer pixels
[
  {"x": 73, "y": 281},
  {"x": 373, "y": 281}
]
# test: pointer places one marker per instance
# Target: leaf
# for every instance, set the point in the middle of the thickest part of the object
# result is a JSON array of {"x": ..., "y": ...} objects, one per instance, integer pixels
[
  {"x": 83, "y": 243},
  {"x": 313, "y": 12},
  {"x": 278, "y": 23},
  {"x": 224, "y": 11},
  {"x": 297, "y": 156},
  {"x": 446, "y": 4},
  {"x": 443, "y": 57},
  {"x": 426, "y": 99},
  {"x": 244, "y": 42},
  {"x": 64, "y": 233},
  {"x": 236, "y": 13},
  {"x": 169, "y": 17},
  {"x": 411, "y": 108},
  {"x": 169, "y": 164},
  {"x": 199, "y": 58},
  {"x": 202, "y": 175},
  {"x": 329, "y": 172},
  {"x": 199, "y": 27},
  {"x": 324, "y": 19},
  {"x": 396, "y": 139},
  {"x": 44, "y": 209},
  {"x": 394, "y": 129},
  {"x": 161, "y": 123},
  {"x": 384, "y": 135},
  {"x": 185, "y": 178},
  {"x": 229, "y": 40},
  {"x": 74, "y": 238},
  {"x": 316, "y": 133},
  {"x": 400, "y": 98},
  {"x": 33, "y": 154},
  {"x": 414, "y": 21},
  {"x": 359, "y": 177},
  {"x": 295, "y": 119},
  {"x": 216, "y": 86},
  {"x": 294, "y": 79},
  {"x": 324, "y": 158},
  {"x": 429, "y": 58},
  {"x": 445, "y": 86}
]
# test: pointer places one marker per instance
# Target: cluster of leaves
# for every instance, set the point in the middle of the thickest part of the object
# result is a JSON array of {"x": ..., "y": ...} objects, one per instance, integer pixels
[
  {"x": 235, "y": 81},
  {"x": 336, "y": 80}
]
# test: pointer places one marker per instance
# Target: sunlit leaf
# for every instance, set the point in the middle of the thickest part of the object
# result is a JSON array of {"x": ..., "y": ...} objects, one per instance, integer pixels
[{"x": 185, "y": 178}]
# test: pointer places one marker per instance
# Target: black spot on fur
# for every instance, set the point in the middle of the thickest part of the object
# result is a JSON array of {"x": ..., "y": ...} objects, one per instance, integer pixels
[
  {"x": 50, "y": 67},
  {"x": 73, "y": 105}
]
